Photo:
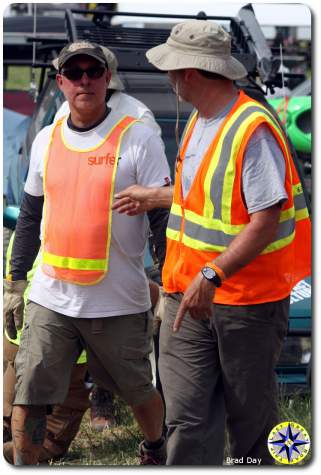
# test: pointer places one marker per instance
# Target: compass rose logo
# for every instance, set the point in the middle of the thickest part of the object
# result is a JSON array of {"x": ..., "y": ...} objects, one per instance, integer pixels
[{"x": 289, "y": 443}]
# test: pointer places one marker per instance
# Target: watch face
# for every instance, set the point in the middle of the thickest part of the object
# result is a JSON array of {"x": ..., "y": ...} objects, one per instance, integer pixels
[{"x": 209, "y": 273}]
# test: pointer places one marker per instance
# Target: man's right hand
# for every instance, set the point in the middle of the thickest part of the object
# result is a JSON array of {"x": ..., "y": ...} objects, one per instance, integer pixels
[
  {"x": 13, "y": 306},
  {"x": 138, "y": 199}
]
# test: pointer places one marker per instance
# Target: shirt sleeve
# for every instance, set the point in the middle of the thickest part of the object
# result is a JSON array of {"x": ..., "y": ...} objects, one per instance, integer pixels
[
  {"x": 149, "y": 120},
  {"x": 263, "y": 173},
  {"x": 152, "y": 168},
  {"x": 34, "y": 182},
  {"x": 26, "y": 243}
]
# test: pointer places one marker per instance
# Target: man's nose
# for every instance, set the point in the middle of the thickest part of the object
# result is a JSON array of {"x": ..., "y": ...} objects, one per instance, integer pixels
[{"x": 84, "y": 78}]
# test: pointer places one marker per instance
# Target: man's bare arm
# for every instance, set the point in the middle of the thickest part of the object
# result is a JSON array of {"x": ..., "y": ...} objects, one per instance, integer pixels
[{"x": 138, "y": 199}]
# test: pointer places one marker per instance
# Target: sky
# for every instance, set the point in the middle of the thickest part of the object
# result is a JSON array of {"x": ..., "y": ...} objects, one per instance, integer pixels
[{"x": 276, "y": 13}]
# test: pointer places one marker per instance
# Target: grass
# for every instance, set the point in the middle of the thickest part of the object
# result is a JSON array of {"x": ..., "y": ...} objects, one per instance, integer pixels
[
  {"x": 118, "y": 446},
  {"x": 298, "y": 409},
  {"x": 19, "y": 77}
]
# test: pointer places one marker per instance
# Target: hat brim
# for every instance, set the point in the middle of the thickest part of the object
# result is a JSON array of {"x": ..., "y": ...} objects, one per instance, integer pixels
[
  {"x": 55, "y": 63},
  {"x": 115, "y": 82},
  {"x": 167, "y": 58}
]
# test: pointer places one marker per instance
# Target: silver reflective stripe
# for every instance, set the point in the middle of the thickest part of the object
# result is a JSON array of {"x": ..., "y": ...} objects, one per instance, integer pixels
[
  {"x": 285, "y": 229},
  {"x": 174, "y": 222},
  {"x": 299, "y": 201},
  {"x": 207, "y": 236},
  {"x": 219, "y": 174},
  {"x": 219, "y": 238}
]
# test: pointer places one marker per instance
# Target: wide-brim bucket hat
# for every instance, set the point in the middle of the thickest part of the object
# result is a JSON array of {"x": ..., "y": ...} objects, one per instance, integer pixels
[
  {"x": 200, "y": 44},
  {"x": 115, "y": 81}
]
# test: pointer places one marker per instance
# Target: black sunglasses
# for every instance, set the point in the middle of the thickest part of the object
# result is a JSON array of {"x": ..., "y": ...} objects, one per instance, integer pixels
[{"x": 74, "y": 74}]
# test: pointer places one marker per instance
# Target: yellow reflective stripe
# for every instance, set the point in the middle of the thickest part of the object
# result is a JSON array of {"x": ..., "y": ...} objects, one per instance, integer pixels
[
  {"x": 208, "y": 209},
  {"x": 297, "y": 189},
  {"x": 110, "y": 214},
  {"x": 188, "y": 125},
  {"x": 201, "y": 246},
  {"x": 230, "y": 175},
  {"x": 301, "y": 214},
  {"x": 281, "y": 135},
  {"x": 74, "y": 263},
  {"x": 172, "y": 234},
  {"x": 276, "y": 245},
  {"x": 176, "y": 209},
  {"x": 197, "y": 224},
  {"x": 287, "y": 214},
  {"x": 82, "y": 358},
  {"x": 214, "y": 224},
  {"x": 44, "y": 180}
]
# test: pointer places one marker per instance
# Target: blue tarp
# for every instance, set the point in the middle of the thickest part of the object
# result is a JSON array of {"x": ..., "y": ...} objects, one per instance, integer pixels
[{"x": 15, "y": 127}]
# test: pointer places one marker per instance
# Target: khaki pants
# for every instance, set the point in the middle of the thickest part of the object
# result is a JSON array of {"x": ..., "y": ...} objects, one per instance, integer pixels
[
  {"x": 117, "y": 354},
  {"x": 64, "y": 421},
  {"x": 234, "y": 355}
]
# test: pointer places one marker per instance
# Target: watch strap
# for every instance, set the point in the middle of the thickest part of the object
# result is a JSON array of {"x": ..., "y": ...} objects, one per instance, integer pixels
[{"x": 217, "y": 269}]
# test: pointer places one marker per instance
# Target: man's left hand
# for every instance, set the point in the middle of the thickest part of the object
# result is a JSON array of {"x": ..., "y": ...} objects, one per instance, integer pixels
[{"x": 197, "y": 300}]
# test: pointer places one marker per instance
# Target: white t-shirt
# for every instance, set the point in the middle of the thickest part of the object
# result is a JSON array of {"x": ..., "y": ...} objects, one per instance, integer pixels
[
  {"x": 125, "y": 289},
  {"x": 263, "y": 172},
  {"x": 124, "y": 104}
]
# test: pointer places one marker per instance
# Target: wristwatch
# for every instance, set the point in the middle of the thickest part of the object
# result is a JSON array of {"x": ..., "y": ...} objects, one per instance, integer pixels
[{"x": 211, "y": 275}]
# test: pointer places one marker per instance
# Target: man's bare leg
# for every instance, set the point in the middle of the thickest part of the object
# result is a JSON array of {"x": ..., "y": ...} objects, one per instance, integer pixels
[
  {"x": 28, "y": 427},
  {"x": 150, "y": 416}
]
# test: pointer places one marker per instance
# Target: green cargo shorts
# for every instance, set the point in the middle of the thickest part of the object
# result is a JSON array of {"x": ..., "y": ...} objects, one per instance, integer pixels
[{"x": 117, "y": 350}]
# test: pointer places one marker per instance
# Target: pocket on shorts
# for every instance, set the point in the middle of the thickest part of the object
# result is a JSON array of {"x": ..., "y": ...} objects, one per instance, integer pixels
[
  {"x": 135, "y": 372},
  {"x": 37, "y": 339}
]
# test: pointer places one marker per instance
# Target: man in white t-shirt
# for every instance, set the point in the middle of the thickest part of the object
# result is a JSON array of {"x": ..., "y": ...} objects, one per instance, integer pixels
[
  {"x": 102, "y": 410},
  {"x": 90, "y": 290}
]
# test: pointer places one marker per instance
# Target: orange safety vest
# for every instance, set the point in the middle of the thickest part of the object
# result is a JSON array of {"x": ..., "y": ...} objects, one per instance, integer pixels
[
  {"x": 78, "y": 190},
  {"x": 213, "y": 213}
]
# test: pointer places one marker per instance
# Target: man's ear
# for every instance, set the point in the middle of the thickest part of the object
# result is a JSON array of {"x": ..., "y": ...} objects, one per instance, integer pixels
[
  {"x": 59, "y": 80},
  {"x": 108, "y": 77},
  {"x": 192, "y": 74},
  {"x": 188, "y": 74}
]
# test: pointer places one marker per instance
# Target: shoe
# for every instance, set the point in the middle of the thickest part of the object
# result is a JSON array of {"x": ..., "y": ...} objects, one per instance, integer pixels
[
  {"x": 8, "y": 452},
  {"x": 102, "y": 409},
  {"x": 152, "y": 457}
]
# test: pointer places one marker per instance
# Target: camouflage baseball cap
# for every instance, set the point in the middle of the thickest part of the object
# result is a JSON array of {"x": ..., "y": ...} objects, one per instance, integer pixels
[
  {"x": 115, "y": 81},
  {"x": 78, "y": 48}
]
